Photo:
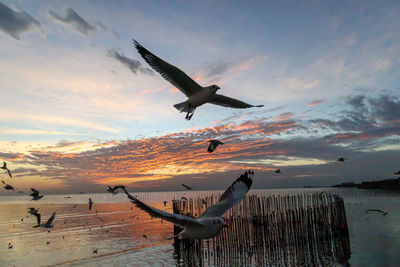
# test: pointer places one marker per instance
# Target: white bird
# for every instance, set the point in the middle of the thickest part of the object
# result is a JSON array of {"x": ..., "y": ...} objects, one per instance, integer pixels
[
  {"x": 210, "y": 222},
  {"x": 213, "y": 145},
  {"x": 197, "y": 95}
]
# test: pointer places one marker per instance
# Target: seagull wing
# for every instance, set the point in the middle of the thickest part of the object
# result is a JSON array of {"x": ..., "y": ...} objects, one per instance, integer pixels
[
  {"x": 234, "y": 194},
  {"x": 37, "y": 215},
  {"x": 181, "y": 220},
  {"x": 229, "y": 102},
  {"x": 9, "y": 173},
  {"x": 34, "y": 192},
  {"x": 50, "y": 220},
  {"x": 175, "y": 76}
]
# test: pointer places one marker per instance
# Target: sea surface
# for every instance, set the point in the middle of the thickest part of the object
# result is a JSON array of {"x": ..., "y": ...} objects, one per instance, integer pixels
[{"x": 125, "y": 236}]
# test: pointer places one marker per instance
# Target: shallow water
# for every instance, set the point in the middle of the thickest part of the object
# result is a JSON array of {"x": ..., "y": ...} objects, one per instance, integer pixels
[{"x": 117, "y": 229}]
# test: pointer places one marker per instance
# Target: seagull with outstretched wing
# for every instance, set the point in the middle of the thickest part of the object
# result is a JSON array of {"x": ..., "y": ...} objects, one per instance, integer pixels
[
  {"x": 4, "y": 167},
  {"x": 197, "y": 95},
  {"x": 210, "y": 222}
]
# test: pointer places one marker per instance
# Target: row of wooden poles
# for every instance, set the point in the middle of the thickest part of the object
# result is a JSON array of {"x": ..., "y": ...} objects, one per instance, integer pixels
[{"x": 291, "y": 230}]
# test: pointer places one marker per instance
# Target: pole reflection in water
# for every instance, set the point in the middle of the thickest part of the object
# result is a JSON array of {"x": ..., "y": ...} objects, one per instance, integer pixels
[{"x": 291, "y": 230}]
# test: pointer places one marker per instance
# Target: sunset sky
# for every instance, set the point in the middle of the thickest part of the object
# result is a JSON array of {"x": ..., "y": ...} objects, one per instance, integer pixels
[{"x": 81, "y": 109}]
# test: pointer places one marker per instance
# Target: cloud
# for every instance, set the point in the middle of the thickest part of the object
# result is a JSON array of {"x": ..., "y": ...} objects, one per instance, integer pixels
[
  {"x": 303, "y": 149},
  {"x": 315, "y": 102},
  {"x": 73, "y": 19},
  {"x": 132, "y": 64},
  {"x": 15, "y": 23}
]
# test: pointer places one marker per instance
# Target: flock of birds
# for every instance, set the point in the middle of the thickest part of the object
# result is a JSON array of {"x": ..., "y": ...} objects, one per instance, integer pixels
[{"x": 210, "y": 222}]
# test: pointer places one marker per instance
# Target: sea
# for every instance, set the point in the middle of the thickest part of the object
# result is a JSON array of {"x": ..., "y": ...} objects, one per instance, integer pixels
[{"x": 116, "y": 233}]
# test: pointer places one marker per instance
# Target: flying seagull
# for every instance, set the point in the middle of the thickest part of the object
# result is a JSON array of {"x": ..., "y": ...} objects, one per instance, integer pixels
[
  {"x": 113, "y": 190},
  {"x": 4, "y": 167},
  {"x": 187, "y": 187},
  {"x": 90, "y": 203},
  {"x": 384, "y": 212},
  {"x": 197, "y": 95},
  {"x": 35, "y": 213},
  {"x": 49, "y": 222},
  {"x": 35, "y": 194},
  {"x": 341, "y": 159},
  {"x": 210, "y": 222},
  {"x": 8, "y": 187},
  {"x": 278, "y": 171},
  {"x": 213, "y": 145}
]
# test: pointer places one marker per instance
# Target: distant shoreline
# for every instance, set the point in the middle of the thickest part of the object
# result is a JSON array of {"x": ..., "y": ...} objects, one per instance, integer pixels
[{"x": 388, "y": 184}]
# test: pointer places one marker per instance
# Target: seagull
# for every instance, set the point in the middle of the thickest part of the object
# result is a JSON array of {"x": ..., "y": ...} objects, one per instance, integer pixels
[
  {"x": 10, "y": 246},
  {"x": 165, "y": 203},
  {"x": 213, "y": 145},
  {"x": 35, "y": 212},
  {"x": 4, "y": 167},
  {"x": 210, "y": 222},
  {"x": 384, "y": 212},
  {"x": 278, "y": 171},
  {"x": 94, "y": 251},
  {"x": 187, "y": 187},
  {"x": 113, "y": 190},
  {"x": 8, "y": 187},
  {"x": 35, "y": 194},
  {"x": 197, "y": 95},
  {"x": 341, "y": 159},
  {"x": 49, "y": 222},
  {"x": 90, "y": 204}
]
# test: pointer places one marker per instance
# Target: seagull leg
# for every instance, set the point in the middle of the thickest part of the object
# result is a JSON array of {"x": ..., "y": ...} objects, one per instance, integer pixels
[{"x": 188, "y": 117}]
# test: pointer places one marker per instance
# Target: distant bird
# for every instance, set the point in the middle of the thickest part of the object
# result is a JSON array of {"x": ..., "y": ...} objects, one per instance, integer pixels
[
  {"x": 278, "y": 171},
  {"x": 144, "y": 236},
  {"x": 49, "y": 222},
  {"x": 184, "y": 198},
  {"x": 48, "y": 242},
  {"x": 94, "y": 251},
  {"x": 10, "y": 246},
  {"x": 101, "y": 219},
  {"x": 74, "y": 206},
  {"x": 90, "y": 204},
  {"x": 210, "y": 222},
  {"x": 67, "y": 197},
  {"x": 165, "y": 203},
  {"x": 4, "y": 167},
  {"x": 113, "y": 190},
  {"x": 197, "y": 95},
  {"x": 397, "y": 173},
  {"x": 8, "y": 187},
  {"x": 341, "y": 159},
  {"x": 213, "y": 145},
  {"x": 384, "y": 212},
  {"x": 35, "y": 212},
  {"x": 35, "y": 194},
  {"x": 187, "y": 187}
]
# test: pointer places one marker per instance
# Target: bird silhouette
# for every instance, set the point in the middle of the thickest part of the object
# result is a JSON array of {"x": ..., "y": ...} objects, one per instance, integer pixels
[
  {"x": 4, "y": 167},
  {"x": 213, "y": 145},
  {"x": 187, "y": 187},
  {"x": 35, "y": 194}
]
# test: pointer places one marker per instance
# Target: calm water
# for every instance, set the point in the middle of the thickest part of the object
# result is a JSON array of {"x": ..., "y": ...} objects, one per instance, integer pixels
[{"x": 117, "y": 229}]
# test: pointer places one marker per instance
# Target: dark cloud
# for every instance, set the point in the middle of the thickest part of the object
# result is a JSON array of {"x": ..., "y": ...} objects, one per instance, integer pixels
[
  {"x": 15, "y": 23},
  {"x": 386, "y": 108},
  {"x": 73, "y": 19},
  {"x": 133, "y": 64}
]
